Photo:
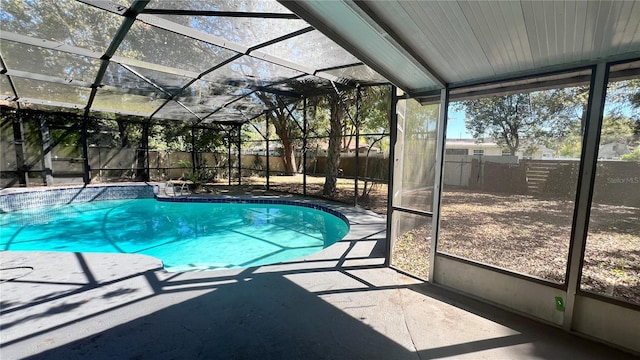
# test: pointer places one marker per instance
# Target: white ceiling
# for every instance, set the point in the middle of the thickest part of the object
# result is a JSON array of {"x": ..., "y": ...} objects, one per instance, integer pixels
[{"x": 422, "y": 45}]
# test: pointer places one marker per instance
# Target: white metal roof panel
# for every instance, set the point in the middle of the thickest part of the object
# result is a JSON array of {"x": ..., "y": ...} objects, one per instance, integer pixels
[{"x": 465, "y": 42}]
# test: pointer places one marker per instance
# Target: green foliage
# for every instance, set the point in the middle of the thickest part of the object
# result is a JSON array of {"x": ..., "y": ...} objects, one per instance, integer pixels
[
  {"x": 571, "y": 147},
  {"x": 374, "y": 111},
  {"x": 632, "y": 156},
  {"x": 616, "y": 128},
  {"x": 534, "y": 118}
]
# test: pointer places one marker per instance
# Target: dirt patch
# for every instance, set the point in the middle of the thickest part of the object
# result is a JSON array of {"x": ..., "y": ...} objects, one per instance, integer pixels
[
  {"x": 530, "y": 235},
  {"x": 375, "y": 199}
]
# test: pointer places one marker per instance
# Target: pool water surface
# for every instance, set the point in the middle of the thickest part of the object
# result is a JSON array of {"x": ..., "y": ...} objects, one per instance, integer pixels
[{"x": 184, "y": 235}]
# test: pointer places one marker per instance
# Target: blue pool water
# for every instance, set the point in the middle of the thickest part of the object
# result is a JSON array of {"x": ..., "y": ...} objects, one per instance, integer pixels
[{"x": 185, "y": 236}]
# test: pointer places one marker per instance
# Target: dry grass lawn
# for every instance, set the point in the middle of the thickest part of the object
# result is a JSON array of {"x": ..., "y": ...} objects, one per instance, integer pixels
[{"x": 531, "y": 236}]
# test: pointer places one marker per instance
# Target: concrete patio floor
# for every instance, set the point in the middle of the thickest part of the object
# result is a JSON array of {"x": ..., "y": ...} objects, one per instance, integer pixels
[{"x": 340, "y": 303}]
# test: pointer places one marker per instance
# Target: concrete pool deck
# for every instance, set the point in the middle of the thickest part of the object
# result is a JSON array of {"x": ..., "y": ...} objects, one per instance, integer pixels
[{"x": 340, "y": 303}]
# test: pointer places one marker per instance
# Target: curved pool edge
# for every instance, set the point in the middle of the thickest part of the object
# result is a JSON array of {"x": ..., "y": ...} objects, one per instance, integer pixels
[
  {"x": 362, "y": 224},
  {"x": 253, "y": 200}
]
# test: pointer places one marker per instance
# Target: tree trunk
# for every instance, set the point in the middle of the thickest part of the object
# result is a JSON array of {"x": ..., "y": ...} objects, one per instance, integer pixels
[
  {"x": 288, "y": 157},
  {"x": 365, "y": 193},
  {"x": 124, "y": 137},
  {"x": 281, "y": 125},
  {"x": 141, "y": 155},
  {"x": 333, "y": 152},
  {"x": 20, "y": 147}
]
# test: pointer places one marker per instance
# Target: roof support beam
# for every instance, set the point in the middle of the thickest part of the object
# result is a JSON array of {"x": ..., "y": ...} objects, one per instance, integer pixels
[
  {"x": 130, "y": 16},
  {"x": 107, "y": 6},
  {"x": 13, "y": 86},
  {"x": 362, "y": 5},
  {"x": 48, "y": 78},
  {"x": 299, "y": 8},
  {"x": 233, "y": 14}
]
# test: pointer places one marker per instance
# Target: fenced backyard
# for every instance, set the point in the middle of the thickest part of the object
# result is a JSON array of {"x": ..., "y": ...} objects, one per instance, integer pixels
[
  {"x": 526, "y": 234},
  {"x": 507, "y": 213}
]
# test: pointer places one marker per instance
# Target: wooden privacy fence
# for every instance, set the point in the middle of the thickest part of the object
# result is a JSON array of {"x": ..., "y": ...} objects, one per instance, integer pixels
[
  {"x": 108, "y": 164},
  {"x": 617, "y": 182}
]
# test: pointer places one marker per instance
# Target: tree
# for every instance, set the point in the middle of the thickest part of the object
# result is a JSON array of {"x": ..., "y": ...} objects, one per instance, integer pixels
[
  {"x": 374, "y": 118},
  {"x": 337, "y": 118},
  {"x": 533, "y": 118},
  {"x": 286, "y": 128},
  {"x": 624, "y": 99}
]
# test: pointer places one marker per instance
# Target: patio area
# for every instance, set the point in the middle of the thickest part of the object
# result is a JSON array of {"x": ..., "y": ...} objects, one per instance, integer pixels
[
  {"x": 340, "y": 303},
  {"x": 488, "y": 152}
]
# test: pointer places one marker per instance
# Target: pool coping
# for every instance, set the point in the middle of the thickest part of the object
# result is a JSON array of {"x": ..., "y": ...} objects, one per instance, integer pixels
[{"x": 251, "y": 199}]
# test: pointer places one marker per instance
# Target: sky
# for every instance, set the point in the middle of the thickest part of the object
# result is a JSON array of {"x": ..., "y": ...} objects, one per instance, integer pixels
[
  {"x": 457, "y": 130},
  {"x": 455, "y": 126}
]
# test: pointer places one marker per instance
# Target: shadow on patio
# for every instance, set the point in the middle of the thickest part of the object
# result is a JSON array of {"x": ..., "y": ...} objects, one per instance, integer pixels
[{"x": 341, "y": 303}]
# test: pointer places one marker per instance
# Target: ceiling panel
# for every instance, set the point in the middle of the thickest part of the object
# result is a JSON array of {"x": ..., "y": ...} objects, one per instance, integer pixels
[
  {"x": 51, "y": 92},
  {"x": 57, "y": 49},
  {"x": 53, "y": 49},
  {"x": 499, "y": 30},
  {"x": 134, "y": 101},
  {"x": 463, "y": 42},
  {"x": 270, "y": 6},
  {"x": 49, "y": 62},
  {"x": 128, "y": 75},
  {"x": 423, "y": 25},
  {"x": 248, "y": 71},
  {"x": 245, "y": 31},
  {"x": 67, "y": 22},
  {"x": 347, "y": 26},
  {"x": 158, "y": 46},
  {"x": 174, "y": 111},
  {"x": 225, "y": 115},
  {"x": 6, "y": 93},
  {"x": 312, "y": 49}
]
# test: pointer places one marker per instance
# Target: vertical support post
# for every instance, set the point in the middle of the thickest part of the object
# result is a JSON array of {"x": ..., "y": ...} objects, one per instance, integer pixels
[
  {"x": 99, "y": 164},
  {"x": 19, "y": 145},
  {"x": 145, "y": 132},
  {"x": 267, "y": 135},
  {"x": 304, "y": 146},
  {"x": 240, "y": 154},
  {"x": 393, "y": 127},
  {"x": 85, "y": 150},
  {"x": 357, "y": 163},
  {"x": 229, "y": 155},
  {"x": 47, "y": 163},
  {"x": 142, "y": 155},
  {"x": 437, "y": 186},
  {"x": 193, "y": 150},
  {"x": 586, "y": 180}
]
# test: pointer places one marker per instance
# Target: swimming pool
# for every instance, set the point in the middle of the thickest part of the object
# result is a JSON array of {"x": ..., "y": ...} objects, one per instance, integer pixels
[{"x": 184, "y": 235}]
